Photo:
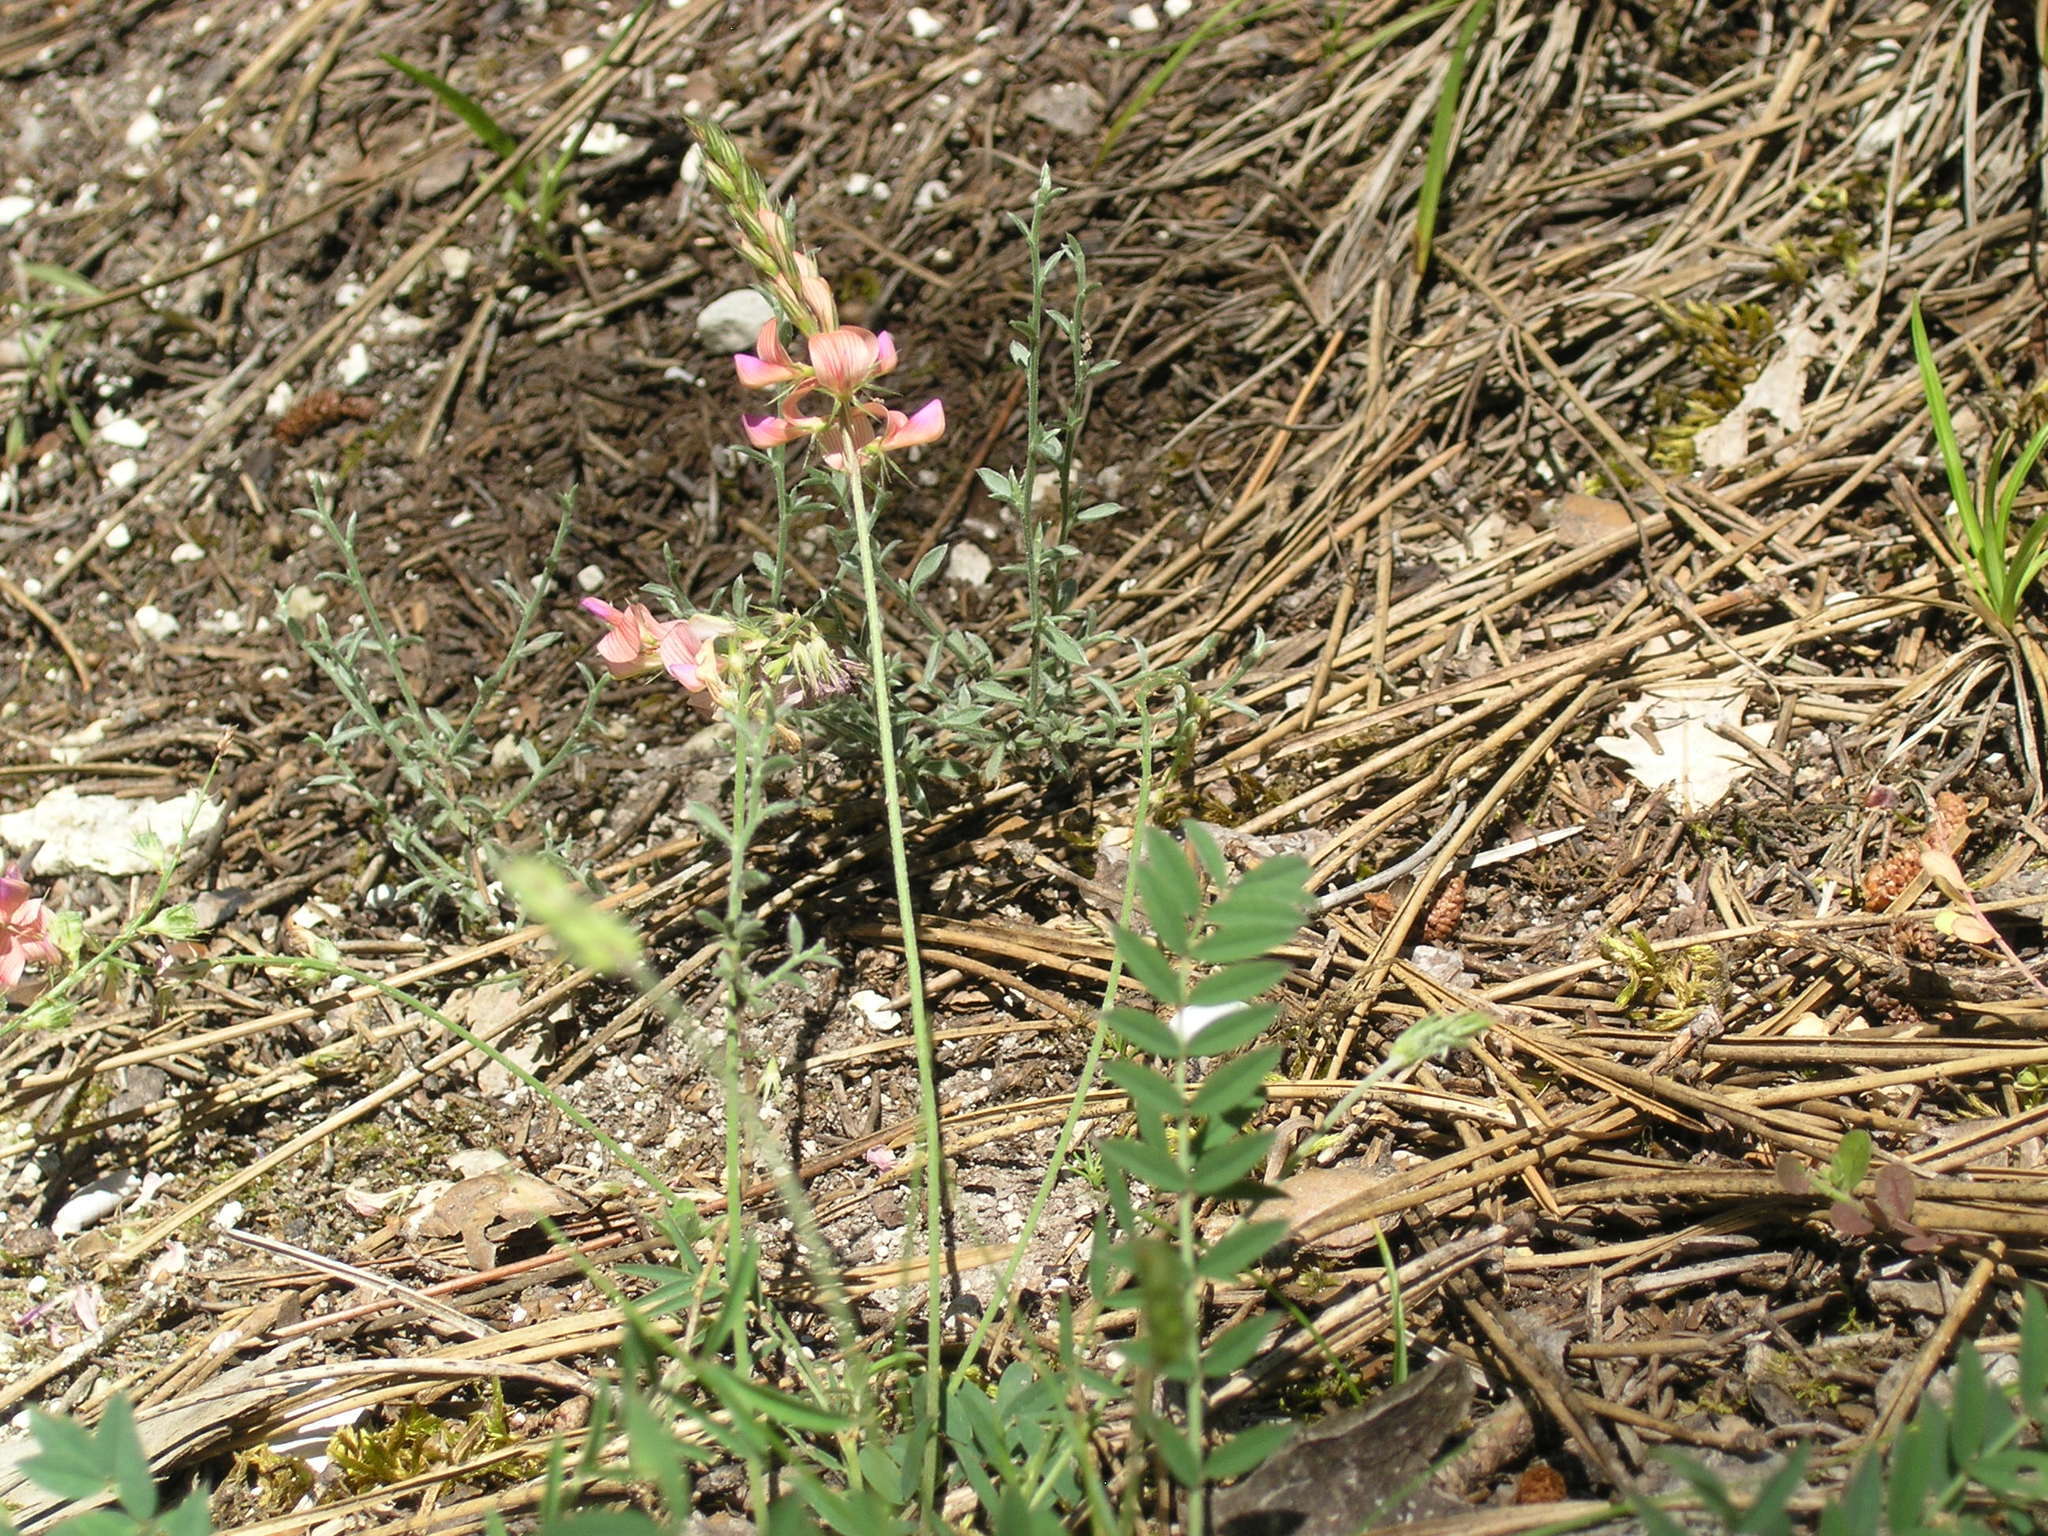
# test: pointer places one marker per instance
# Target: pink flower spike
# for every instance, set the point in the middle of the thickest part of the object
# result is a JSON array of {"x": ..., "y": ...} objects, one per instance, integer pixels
[
  {"x": 926, "y": 424},
  {"x": 769, "y": 364},
  {"x": 24, "y": 930},
  {"x": 633, "y": 645},
  {"x": 686, "y": 650},
  {"x": 885, "y": 353}
]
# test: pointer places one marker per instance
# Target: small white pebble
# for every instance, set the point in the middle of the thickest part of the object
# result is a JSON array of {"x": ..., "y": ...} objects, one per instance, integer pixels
[
  {"x": 39, "y": 1286},
  {"x": 14, "y": 209},
  {"x": 350, "y": 293},
  {"x": 924, "y": 26},
  {"x": 145, "y": 130},
  {"x": 230, "y": 1214},
  {"x": 858, "y": 183},
  {"x": 278, "y": 401},
  {"x": 32, "y": 585},
  {"x": 124, "y": 432},
  {"x": 604, "y": 139},
  {"x": 455, "y": 262},
  {"x": 61, "y": 555},
  {"x": 575, "y": 58},
  {"x": 123, "y": 473},
  {"x": 187, "y": 553},
  {"x": 154, "y": 622},
  {"x": 590, "y": 578},
  {"x": 118, "y": 536},
  {"x": 354, "y": 366},
  {"x": 462, "y": 519},
  {"x": 879, "y": 191},
  {"x": 1175, "y": 9},
  {"x": 1144, "y": 19},
  {"x": 930, "y": 195}
]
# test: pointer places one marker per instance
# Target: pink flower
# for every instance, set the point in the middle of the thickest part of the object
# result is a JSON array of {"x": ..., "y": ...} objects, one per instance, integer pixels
[
  {"x": 846, "y": 359},
  {"x": 689, "y": 654},
  {"x": 769, "y": 364},
  {"x": 926, "y": 424},
  {"x": 776, "y": 431},
  {"x": 24, "y": 930},
  {"x": 634, "y": 644}
]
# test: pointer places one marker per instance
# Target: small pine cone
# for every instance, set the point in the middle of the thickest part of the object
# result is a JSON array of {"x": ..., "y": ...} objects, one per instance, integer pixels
[
  {"x": 319, "y": 411},
  {"x": 1916, "y": 943},
  {"x": 1886, "y": 882},
  {"x": 1446, "y": 912},
  {"x": 1889, "y": 1009},
  {"x": 1951, "y": 824}
]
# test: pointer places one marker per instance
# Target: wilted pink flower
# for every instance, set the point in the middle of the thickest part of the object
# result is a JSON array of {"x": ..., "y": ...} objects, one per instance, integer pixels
[
  {"x": 634, "y": 644},
  {"x": 24, "y": 930},
  {"x": 689, "y": 655}
]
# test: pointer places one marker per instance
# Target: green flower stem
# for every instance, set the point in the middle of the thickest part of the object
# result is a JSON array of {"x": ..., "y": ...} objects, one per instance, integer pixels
[{"x": 920, "y": 1022}]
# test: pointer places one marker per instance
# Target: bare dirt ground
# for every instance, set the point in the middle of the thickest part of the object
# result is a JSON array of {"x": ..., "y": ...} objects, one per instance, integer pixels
[{"x": 1650, "y": 421}]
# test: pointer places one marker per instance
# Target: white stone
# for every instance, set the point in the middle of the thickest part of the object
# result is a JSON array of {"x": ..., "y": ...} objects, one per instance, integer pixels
[
  {"x": 607, "y": 139},
  {"x": 590, "y": 578},
  {"x": 94, "y": 1203},
  {"x": 732, "y": 321},
  {"x": 354, "y": 366},
  {"x": 187, "y": 553},
  {"x": 118, "y": 536},
  {"x": 1175, "y": 9},
  {"x": 969, "y": 563},
  {"x": 146, "y": 129},
  {"x": 575, "y": 58},
  {"x": 972, "y": 77},
  {"x": 1144, "y": 19},
  {"x": 875, "y": 1011},
  {"x": 455, "y": 262},
  {"x": 924, "y": 26},
  {"x": 930, "y": 195},
  {"x": 154, "y": 622},
  {"x": 124, "y": 432},
  {"x": 858, "y": 183},
  {"x": 278, "y": 401},
  {"x": 13, "y": 209},
  {"x": 123, "y": 473}
]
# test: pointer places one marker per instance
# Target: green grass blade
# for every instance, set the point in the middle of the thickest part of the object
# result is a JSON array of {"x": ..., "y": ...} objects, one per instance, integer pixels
[
  {"x": 1377, "y": 39},
  {"x": 61, "y": 277},
  {"x": 1442, "y": 134},
  {"x": 462, "y": 104},
  {"x": 1161, "y": 77},
  {"x": 1945, "y": 435}
]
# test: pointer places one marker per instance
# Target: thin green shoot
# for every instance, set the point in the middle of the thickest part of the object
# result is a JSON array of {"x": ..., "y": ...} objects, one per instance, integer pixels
[
  {"x": 1980, "y": 539},
  {"x": 1443, "y": 137}
]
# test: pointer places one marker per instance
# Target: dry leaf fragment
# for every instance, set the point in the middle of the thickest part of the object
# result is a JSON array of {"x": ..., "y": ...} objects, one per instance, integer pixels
[
  {"x": 1580, "y": 520},
  {"x": 490, "y": 1208},
  {"x": 1314, "y": 1192},
  {"x": 1676, "y": 739}
]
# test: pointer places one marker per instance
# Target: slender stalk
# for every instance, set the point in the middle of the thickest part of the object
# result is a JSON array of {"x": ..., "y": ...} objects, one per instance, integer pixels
[
  {"x": 920, "y": 1022},
  {"x": 1191, "y": 1303}
]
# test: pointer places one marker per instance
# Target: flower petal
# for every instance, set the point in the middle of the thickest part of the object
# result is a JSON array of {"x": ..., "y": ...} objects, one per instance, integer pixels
[{"x": 924, "y": 425}]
